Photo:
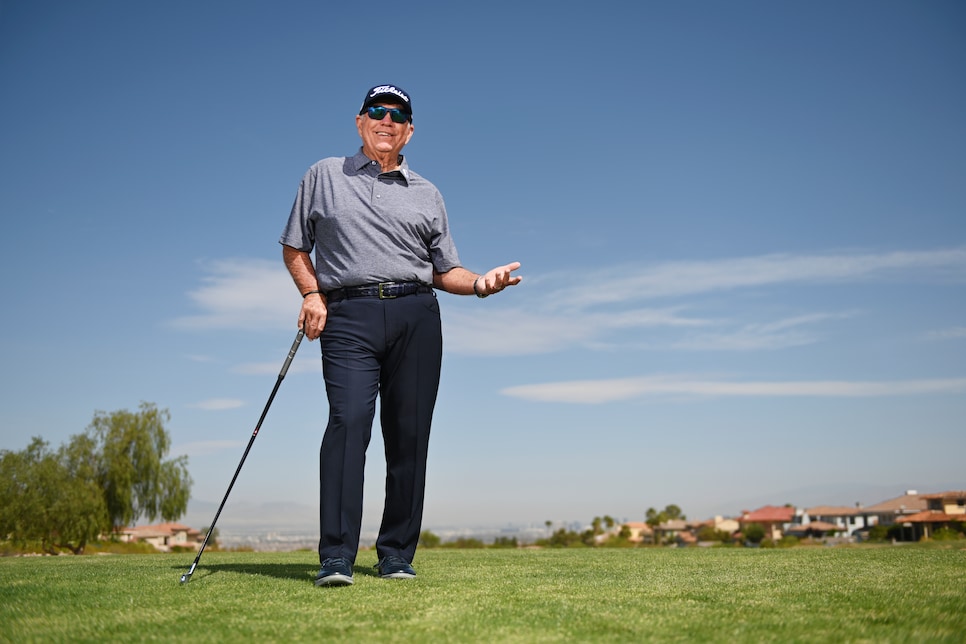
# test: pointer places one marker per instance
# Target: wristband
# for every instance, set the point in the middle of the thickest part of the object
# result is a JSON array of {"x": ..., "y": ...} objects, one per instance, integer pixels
[
  {"x": 475, "y": 290},
  {"x": 305, "y": 295}
]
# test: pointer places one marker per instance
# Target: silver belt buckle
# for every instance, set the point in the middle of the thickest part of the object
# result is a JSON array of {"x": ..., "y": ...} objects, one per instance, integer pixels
[{"x": 385, "y": 296}]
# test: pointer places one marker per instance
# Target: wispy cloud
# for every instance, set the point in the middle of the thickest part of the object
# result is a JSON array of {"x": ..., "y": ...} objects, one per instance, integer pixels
[
  {"x": 613, "y": 390},
  {"x": 525, "y": 331},
  {"x": 675, "y": 279},
  {"x": 218, "y": 404},
  {"x": 242, "y": 294},
  {"x": 781, "y": 334},
  {"x": 597, "y": 308}
]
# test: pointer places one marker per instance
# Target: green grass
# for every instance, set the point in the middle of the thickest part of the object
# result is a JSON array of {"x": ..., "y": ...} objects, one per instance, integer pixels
[{"x": 881, "y": 594}]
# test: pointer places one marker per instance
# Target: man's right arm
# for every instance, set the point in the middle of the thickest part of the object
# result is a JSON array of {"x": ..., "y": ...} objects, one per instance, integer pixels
[{"x": 313, "y": 314}]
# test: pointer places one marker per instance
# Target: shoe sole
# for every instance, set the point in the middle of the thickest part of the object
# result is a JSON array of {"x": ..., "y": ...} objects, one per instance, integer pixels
[
  {"x": 334, "y": 580},
  {"x": 398, "y": 575}
]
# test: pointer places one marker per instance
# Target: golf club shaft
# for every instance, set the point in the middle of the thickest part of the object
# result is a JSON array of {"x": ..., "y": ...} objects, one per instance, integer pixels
[{"x": 281, "y": 376}]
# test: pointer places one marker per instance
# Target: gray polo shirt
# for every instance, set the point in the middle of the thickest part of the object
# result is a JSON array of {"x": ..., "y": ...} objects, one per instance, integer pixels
[{"x": 367, "y": 226}]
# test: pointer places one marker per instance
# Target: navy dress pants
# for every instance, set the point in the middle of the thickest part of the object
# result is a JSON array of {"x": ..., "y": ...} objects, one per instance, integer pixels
[{"x": 392, "y": 348}]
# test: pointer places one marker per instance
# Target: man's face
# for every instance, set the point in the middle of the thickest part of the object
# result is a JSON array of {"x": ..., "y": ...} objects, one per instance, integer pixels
[{"x": 383, "y": 138}]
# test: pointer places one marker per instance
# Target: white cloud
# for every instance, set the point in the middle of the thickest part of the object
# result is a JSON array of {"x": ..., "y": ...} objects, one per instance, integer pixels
[
  {"x": 612, "y": 390},
  {"x": 772, "y": 335},
  {"x": 516, "y": 331},
  {"x": 218, "y": 404},
  {"x": 243, "y": 294},
  {"x": 590, "y": 309},
  {"x": 676, "y": 279}
]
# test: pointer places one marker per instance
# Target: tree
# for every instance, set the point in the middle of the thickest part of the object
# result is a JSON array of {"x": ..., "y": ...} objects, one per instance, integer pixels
[
  {"x": 136, "y": 480},
  {"x": 106, "y": 477},
  {"x": 754, "y": 532},
  {"x": 429, "y": 540},
  {"x": 45, "y": 497},
  {"x": 671, "y": 512}
]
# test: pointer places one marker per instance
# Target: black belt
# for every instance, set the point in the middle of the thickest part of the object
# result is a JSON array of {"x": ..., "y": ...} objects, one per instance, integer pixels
[{"x": 382, "y": 290}]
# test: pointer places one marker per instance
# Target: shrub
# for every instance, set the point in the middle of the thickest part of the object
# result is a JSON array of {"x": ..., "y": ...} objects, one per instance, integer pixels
[
  {"x": 428, "y": 540},
  {"x": 754, "y": 532},
  {"x": 878, "y": 533},
  {"x": 788, "y": 541},
  {"x": 946, "y": 534}
]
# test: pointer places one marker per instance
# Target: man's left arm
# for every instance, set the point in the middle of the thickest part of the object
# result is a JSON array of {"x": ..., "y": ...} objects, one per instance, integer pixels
[{"x": 460, "y": 281}]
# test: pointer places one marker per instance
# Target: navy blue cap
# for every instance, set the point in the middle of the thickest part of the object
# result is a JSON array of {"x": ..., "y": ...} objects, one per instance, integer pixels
[{"x": 388, "y": 94}]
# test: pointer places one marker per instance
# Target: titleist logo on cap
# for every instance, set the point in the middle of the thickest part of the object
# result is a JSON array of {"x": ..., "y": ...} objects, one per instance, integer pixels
[{"x": 389, "y": 89}]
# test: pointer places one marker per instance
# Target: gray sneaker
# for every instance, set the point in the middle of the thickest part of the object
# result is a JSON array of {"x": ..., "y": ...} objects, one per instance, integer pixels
[
  {"x": 393, "y": 567},
  {"x": 335, "y": 571}
]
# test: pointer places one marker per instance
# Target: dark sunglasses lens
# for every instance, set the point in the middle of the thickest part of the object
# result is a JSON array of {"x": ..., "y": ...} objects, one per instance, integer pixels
[
  {"x": 398, "y": 116},
  {"x": 377, "y": 113}
]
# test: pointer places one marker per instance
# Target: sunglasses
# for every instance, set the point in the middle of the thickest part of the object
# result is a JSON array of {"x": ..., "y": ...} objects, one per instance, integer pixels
[{"x": 377, "y": 113}]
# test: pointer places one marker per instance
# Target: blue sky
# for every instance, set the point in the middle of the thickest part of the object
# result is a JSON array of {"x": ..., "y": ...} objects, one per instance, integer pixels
[{"x": 742, "y": 227}]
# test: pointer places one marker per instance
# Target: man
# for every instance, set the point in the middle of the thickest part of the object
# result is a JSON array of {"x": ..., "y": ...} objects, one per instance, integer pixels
[{"x": 382, "y": 243}]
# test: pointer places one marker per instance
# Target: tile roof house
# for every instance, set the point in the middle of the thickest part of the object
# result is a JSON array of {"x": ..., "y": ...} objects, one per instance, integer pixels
[
  {"x": 952, "y": 503},
  {"x": 943, "y": 509},
  {"x": 640, "y": 531},
  {"x": 815, "y": 529},
  {"x": 891, "y": 511},
  {"x": 671, "y": 531},
  {"x": 775, "y": 519},
  {"x": 163, "y": 536},
  {"x": 846, "y": 519}
]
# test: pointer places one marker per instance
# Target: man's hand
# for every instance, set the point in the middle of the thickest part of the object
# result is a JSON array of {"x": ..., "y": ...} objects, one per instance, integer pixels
[
  {"x": 313, "y": 315},
  {"x": 497, "y": 279}
]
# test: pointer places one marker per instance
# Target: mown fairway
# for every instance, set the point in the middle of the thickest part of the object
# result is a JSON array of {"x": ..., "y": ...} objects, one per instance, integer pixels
[{"x": 888, "y": 593}]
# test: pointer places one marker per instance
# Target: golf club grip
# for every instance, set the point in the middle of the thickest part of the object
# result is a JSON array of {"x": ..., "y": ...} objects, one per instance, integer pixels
[{"x": 291, "y": 353}]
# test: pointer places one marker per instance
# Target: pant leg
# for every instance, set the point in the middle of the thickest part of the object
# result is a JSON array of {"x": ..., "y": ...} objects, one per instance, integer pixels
[
  {"x": 408, "y": 388},
  {"x": 350, "y": 366}
]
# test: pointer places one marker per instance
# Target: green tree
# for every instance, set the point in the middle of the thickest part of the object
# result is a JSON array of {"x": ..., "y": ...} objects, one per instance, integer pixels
[
  {"x": 136, "y": 479},
  {"x": 45, "y": 498},
  {"x": 505, "y": 542},
  {"x": 670, "y": 512},
  {"x": 754, "y": 532},
  {"x": 596, "y": 525},
  {"x": 710, "y": 533},
  {"x": 428, "y": 540},
  {"x": 104, "y": 478},
  {"x": 563, "y": 538}
]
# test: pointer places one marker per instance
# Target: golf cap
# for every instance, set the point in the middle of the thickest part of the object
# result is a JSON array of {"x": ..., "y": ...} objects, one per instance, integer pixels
[{"x": 387, "y": 94}]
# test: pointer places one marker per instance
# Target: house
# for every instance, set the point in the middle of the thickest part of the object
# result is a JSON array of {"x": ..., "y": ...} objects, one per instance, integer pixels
[
  {"x": 951, "y": 503},
  {"x": 942, "y": 509},
  {"x": 670, "y": 531},
  {"x": 773, "y": 518},
  {"x": 891, "y": 511},
  {"x": 841, "y": 518},
  {"x": 640, "y": 532},
  {"x": 163, "y": 536},
  {"x": 816, "y": 529},
  {"x": 722, "y": 524}
]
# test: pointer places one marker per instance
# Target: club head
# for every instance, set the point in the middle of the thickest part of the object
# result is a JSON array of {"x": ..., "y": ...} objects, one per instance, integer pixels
[{"x": 184, "y": 578}]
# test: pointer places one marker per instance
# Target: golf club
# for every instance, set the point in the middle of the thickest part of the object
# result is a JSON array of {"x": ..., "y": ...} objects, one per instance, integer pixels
[{"x": 281, "y": 375}]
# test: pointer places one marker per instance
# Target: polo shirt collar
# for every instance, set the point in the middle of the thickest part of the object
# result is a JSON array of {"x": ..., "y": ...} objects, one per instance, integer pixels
[{"x": 360, "y": 160}]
